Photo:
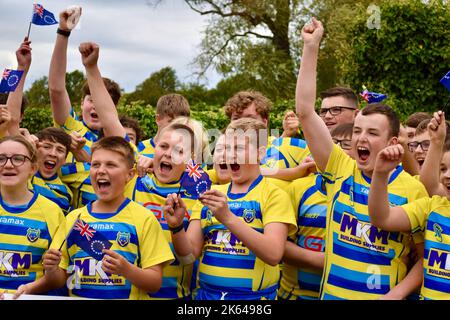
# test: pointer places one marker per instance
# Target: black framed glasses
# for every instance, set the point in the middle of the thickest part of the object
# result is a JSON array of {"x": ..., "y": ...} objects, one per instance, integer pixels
[
  {"x": 16, "y": 159},
  {"x": 413, "y": 145},
  {"x": 334, "y": 111},
  {"x": 345, "y": 144}
]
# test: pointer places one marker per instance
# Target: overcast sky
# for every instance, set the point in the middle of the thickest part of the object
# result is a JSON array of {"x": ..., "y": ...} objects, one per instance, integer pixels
[{"x": 135, "y": 39}]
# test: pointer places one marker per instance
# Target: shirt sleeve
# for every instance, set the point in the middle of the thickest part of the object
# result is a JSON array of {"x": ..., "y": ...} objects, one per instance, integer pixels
[
  {"x": 278, "y": 208},
  {"x": 337, "y": 162},
  {"x": 154, "y": 248},
  {"x": 417, "y": 212}
]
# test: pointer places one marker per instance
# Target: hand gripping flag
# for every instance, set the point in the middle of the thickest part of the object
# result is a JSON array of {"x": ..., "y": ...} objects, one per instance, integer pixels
[
  {"x": 194, "y": 180},
  {"x": 446, "y": 81},
  {"x": 89, "y": 239},
  {"x": 42, "y": 17},
  {"x": 372, "y": 97},
  {"x": 10, "y": 80}
]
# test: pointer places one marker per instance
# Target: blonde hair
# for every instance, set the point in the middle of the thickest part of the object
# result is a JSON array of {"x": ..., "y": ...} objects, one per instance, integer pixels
[
  {"x": 249, "y": 124},
  {"x": 202, "y": 152},
  {"x": 118, "y": 145}
]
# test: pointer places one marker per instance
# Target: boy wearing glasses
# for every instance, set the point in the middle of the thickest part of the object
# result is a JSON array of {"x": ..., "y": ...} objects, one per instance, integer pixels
[
  {"x": 362, "y": 261},
  {"x": 339, "y": 105},
  {"x": 420, "y": 143}
]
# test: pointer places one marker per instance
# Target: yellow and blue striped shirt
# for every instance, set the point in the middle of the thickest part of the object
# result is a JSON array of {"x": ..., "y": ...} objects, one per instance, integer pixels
[
  {"x": 152, "y": 194},
  {"x": 26, "y": 233},
  {"x": 226, "y": 264},
  {"x": 432, "y": 216},
  {"x": 141, "y": 243},
  {"x": 362, "y": 261},
  {"x": 308, "y": 196}
]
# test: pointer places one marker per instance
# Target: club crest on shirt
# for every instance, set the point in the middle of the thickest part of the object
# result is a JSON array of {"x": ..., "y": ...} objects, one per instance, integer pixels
[
  {"x": 249, "y": 215},
  {"x": 437, "y": 232},
  {"x": 33, "y": 234},
  {"x": 123, "y": 238},
  {"x": 209, "y": 217}
]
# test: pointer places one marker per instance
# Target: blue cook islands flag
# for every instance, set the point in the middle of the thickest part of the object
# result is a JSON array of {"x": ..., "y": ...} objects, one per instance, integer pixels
[
  {"x": 89, "y": 239},
  {"x": 445, "y": 81},
  {"x": 372, "y": 97},
  {"x": 10, "y": 80},
  {"x": 194, "y": 180},
  {"x": 42, "y": 17}
]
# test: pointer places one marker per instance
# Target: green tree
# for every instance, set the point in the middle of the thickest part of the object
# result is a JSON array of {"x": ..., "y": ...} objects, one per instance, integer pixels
[
  {"x": 74, "y": 83},
  {"x": 158, "y": 84},
  {"x": 405, "y": 58},
  {"x": 38, "y": 95}
]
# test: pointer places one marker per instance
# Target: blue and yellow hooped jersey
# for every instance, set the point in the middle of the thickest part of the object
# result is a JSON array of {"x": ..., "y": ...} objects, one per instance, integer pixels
[
  {"x": 285, "y": 153},
  {"x": 152, "y": 194},
  {"x": 77, "y": 176},
  {"x": 53, "y": 189},
  {"x": 227, "y": 265},
  {"x": 73, "y": 124},
  {"x": 135, "y": 235},
  {"x": 362, "y": 261},
  {"x": 26, "y": 233},
  {"x": 432, "y": 216},
  {"x": 147, "y": 148},
  {"x": 308, "y": 196}
]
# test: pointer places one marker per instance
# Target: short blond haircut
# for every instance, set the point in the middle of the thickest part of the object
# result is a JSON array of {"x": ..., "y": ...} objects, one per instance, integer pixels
[
  {"x": 173, "y": 105},
  {"x": 201, "y": 149},
  {"x": 249, "y": 124},
  {"x": 118, "y": 145}
]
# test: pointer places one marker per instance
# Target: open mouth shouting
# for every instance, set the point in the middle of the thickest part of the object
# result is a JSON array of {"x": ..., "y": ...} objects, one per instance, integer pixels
[
  {"x": 165, "y": 167},
  {"x": 49, "y": 165},
  {"x": 94, "y": 116},
  {"x": 235, "y": 167},
  {"x": 103, "y": 184},
  {"x": 363, "y": 154}
]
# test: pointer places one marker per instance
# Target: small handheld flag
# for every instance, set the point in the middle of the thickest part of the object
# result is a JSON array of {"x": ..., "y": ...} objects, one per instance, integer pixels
[
  {"x": 42, "y": 17},
  {"x": 372, "y": 97},
  {"x": 445, "y": 81},
  {"x": 90, "y": 240},
  {"x": 194, "y": 180},
  {"x": 10, "y": 80}
]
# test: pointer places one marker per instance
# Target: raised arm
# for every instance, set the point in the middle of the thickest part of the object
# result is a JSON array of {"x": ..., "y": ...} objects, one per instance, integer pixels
[
  {"x": 381, "y": 214},
  {"x": 59, "y": 97},
  {"x": 104, "y": 105},
  {"x": 316, "y": 132},
  {"x": 14, "y": 104},
  {"x": 429, "y": 174}
]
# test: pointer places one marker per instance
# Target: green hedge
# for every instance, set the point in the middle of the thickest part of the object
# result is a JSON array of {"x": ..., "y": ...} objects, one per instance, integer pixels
[{"x": 212, "y": 117}]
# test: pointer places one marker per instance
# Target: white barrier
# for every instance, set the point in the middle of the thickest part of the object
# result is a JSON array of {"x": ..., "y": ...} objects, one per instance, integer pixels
[{"x": 9, "y": 296}]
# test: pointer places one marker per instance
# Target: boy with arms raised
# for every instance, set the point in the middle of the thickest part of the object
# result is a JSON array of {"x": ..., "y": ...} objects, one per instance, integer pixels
[
  {"x": 64, "y": 116},
  {"x": 430, "y": 215},
  {"x": 362, "y": 261}
]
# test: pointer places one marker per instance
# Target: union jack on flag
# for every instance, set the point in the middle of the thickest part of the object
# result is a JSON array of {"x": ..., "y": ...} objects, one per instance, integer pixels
[
  {"x": 193, "y": 169},
  {"x": 6, "y": 74},
  {"x": 41, "y": 16},
  {"x": 84, "y": 229},
  {"x": 194, "y": 180},
  {"x": 39, "y": 9}
]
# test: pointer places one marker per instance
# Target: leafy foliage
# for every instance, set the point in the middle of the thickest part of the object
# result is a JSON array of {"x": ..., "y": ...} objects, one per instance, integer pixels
[{"x": 405, "y": 58}]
